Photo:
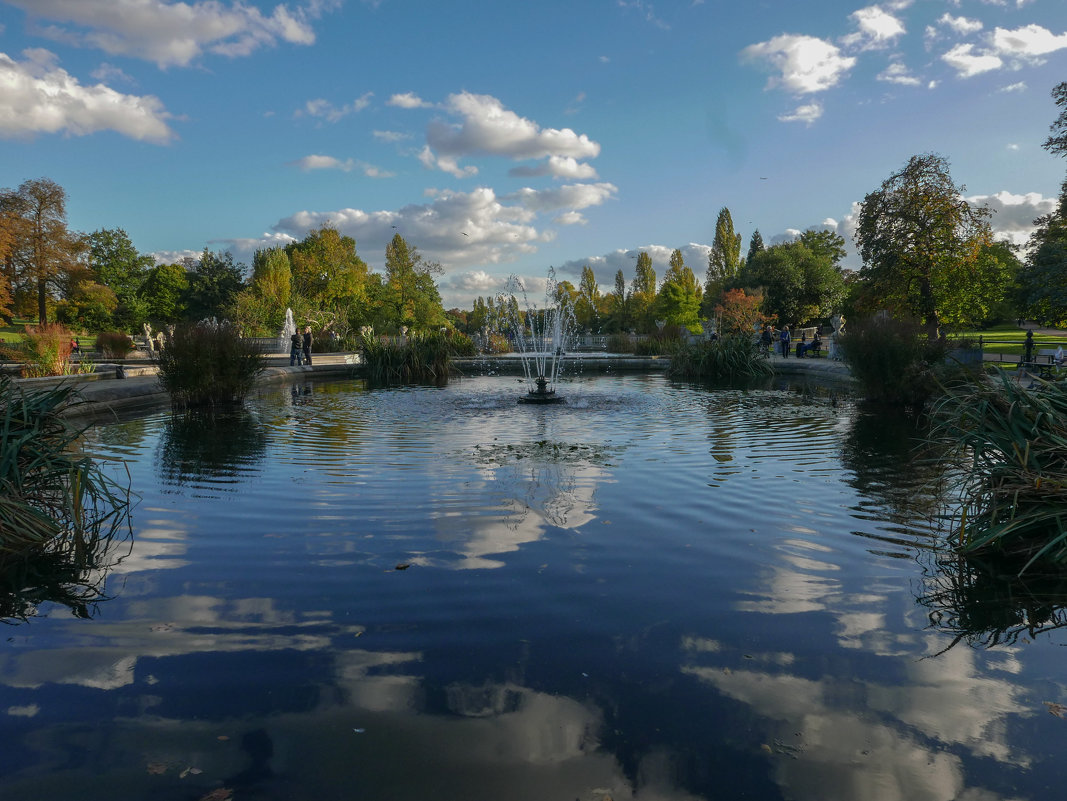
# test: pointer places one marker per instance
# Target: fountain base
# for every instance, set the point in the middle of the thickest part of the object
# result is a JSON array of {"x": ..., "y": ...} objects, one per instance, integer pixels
[{"x": 542, "y": 394}]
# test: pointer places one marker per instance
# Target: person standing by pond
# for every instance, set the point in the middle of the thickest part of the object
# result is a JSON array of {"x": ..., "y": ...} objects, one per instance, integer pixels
[
  {"x": 307, "y": 345},
  {"x": 783, "y": 341},
  {"x": 295, "y": 356}
]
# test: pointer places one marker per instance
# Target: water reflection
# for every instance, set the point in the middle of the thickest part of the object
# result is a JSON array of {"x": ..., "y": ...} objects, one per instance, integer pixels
[{"x": 219, "y": 448}]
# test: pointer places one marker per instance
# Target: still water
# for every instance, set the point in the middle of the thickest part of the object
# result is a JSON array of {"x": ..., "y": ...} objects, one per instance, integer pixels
[{"x": 656, "y": 592}]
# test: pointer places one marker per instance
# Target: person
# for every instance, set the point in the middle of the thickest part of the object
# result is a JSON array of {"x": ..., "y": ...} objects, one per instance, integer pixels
[
  {"x": 783, "y": 341},
  {"x": 765, "y": 339},
  {"x": 295, "y": 356},
  {"x": 816, "y": 343},
  {"x": 74, "y": 346},
  {"x": 307, "y": 345}
]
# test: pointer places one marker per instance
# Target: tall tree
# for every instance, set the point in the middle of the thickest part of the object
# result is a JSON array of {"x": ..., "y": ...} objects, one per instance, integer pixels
[
  {"x": 118, "y": 266},
  {"x": 1057, "y": 142},
  {"x": 643, "y": 294},
  {"x": 679, "y": 296},
  {"x": 326, "y": 271},
  {"x": 411, "y": 293},
  {"x": 587, "y": 307},
  {"x": 914, "y": 232},
  {"x": 618, "y": 306},
  {"x": 44, "y": 249},
  {"x": 213, "y": 286},
  {"x": 755, "y": 245},
  {"x": 798, "y": 284},
  {"x": 724, "y": 260},
  {"x": 164, "y": 291}
]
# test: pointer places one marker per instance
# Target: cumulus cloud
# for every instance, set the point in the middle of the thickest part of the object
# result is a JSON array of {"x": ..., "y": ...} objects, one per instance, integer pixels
[
  {"x": 37, "y": 96},
  {"x": 606, "y": 266},
  {"x": 557, "y": 167},
  {"x": 318, "y": 162},
  {"x": 570, "y": 218},
  {"x": 408, "y": 100},
  {"x": 807, "y": 113},
  {"x": 1029, "y": 42},
  {"x": 898, "y": 73},
  {"x": 806, "y": 64},
  {"x": 391, "y": 136},
  {"x": 172, "y": 34},
  {"x": 877, "y": 29},
  {"x": 1014, "y": 215},
  {"x": 961, "y": 25},
  {"x": 968, "y": 63},
  {"x": 572, "y": 196},
  {"x": 324, "y": 109},
  {"x": 1014, "y": 87}
]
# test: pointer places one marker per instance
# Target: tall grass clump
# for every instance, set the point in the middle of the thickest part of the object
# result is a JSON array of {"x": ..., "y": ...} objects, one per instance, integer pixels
[
  {"x": 207, "y": 364},
  {"x": 45, "y": 351},
  {"x": 1009, "y": 448},
  {"x": 895, "y": 363},
  {"x": 53, "y": 503},
  {"x": 416, "y": 357},
  {"x": 731, "y": 356}
]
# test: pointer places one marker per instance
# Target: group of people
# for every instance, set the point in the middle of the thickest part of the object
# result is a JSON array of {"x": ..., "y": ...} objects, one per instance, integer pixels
[
  {"x": 803, "y": 347},
  {"x": 300, "y": 348}
]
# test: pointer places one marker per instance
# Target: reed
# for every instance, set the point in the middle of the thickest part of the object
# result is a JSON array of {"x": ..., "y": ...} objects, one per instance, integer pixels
[
  {"x": 52, "y": 501},
  {"x": 204, "y": 364},
  {"x": 1009, "y": 448},
  {"x": 730, "y": 356},
  {"x": 417, "y": 357}
]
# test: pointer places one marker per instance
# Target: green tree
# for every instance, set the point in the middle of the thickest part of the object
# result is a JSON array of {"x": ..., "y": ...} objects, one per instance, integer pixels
[
  {"x": 327, "y": 273},
  {"x": 410, "y": 291},
  {"x": 755, "y": 245},
  {"x": 618, "y": 306},
  {"x": 1057, "y": 142},
  {"x": 587, "y": 306},
  {"x": 679, "y": 296},
  {"x": 724, "y": 260},
  {"x": 122, "y": 269},
  {"x": 915, "y": 233},
  {"x": 213, "y": 286},
  {"x": 643, "y": 294},
  {"x": 824, "y": 243},
  {"x": 164, "y": 291},
  {"x": 798, "y": 284}
]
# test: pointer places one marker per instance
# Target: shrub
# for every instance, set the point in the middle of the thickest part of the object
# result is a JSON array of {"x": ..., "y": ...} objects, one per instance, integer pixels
[
  {"x": 420, "y": 357},
  {"x": 620, "y": 343},
  {"x": 205, "y": 364},
  {"x": 53, "y": 502},
  {"x": 1009, "y": 446},
  {"x": 731, "y": 356},
  {"x": 113, "y": 344},
  {"x": 45, "y": 351},
  {"x": 895, "y": 362},
  {"x": 497, "y": 343}
]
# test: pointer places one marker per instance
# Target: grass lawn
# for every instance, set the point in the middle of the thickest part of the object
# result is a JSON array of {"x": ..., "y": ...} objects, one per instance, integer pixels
[
  {"x": 13, "y": 333},
  {"x": 1009, "y": 340}
]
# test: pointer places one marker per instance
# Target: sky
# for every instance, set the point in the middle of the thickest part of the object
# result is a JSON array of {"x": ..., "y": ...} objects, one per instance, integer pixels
[{"x": 506, "y": 138}]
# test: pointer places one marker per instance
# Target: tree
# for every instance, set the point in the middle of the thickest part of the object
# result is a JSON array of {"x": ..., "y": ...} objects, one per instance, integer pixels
[
  {"x": 739, "y": 312},
  {"x": 213, "y": 286},
  {"x": 119, "y": 267},
  {"x": 798, "y": 284},
  {"x": 643, "y": 294},
  {"x": 587, "y": 306},
  {"x": 164, "y": 291},
  {"x": 724, "y": 260},
  {"x": 824, "y": 243},
  {"x": 410, "y": 291},
  {"x": 1057, "y": 143},
  {"x": 755, "y": 245},
  {"x": 618, "y": 306},
  {"x": 679, "y": 297},
  {"x": 328, "y": 274},
  {"x": 44, "y": 249},
  {"x": 915, "y": 233}
]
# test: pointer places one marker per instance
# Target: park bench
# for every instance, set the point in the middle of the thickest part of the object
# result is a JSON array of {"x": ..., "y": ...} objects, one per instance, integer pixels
[{"x": 1044, "y": 365}]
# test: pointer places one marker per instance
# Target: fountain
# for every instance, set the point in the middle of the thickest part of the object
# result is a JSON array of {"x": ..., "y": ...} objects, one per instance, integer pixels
[
  {"x": 285, "y": 337},
  {"x": 540, "y": 338}
]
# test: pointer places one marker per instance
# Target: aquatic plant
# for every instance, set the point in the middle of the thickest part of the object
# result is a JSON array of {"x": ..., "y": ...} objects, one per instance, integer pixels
[
  {"x": 208, "y": 364},
  {"x": 415, "y": 357},
  {"x": 731, "y": 356},
  {"x": 52, "y": 501},
  {"x": 1009, "y": 448}
]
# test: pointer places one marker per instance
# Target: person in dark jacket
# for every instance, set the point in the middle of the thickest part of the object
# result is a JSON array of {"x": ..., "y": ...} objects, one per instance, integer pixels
[
  {"x": 295, "y": 356},
  {"x": 307, "y": 345}
]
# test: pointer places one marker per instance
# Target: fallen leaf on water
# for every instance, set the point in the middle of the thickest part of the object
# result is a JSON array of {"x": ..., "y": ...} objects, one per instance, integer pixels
[
  {"x": 221, "y": 794},
  {"x": 223, "y": 738},
  {"x": 188, "y": 771},
  {"x": 403, "y": 566},
  {"x": 157, "y": 768}
]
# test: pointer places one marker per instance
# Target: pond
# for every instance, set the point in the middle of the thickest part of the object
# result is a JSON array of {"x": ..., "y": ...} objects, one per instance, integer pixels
[{"x": 655, "y": 591}]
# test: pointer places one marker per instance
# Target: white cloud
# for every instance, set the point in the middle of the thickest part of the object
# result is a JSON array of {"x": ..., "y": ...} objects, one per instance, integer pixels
[
  {"x": 1028, "y": 42},
  {"x": 877, "y": 29},
  {"x": 807, "y": 113},
  {"x": 647, "y": 10},
  {"x": 318, "y": 162},
  {"x": 898, "y": 73},
  {"x": 968, "y": 64},
  {"x": 570, "y": 218},
  {"x": 807, "y": 64},
  {"x": 572, "y": 196},
  {"x": 391, "y": 136},
  {"x": 558, "y": 167},
  {"x": 605, "y": 267},
  {"x": 172, "y": 34},
  {"x": 324, "y": 109},
  {"x": 36, "y": 96},
  {"x": 109, "y": 73},
  {"x": 408, "y": 100},
  {"x": 1013, "y": 146},
  {"x": 1014, "y": 87},
  {"x": 1014, "y": 215},
  {"x": 961, "y": 25}
]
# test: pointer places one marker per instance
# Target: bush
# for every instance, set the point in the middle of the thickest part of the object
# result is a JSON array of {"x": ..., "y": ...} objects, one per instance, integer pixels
[
  {"x": 662, "y": 343},
  {"x": 419, "y": 357},
  {"x": 731, "y": 356},
  {"x": 895, "y": 362},
  {"x": 53, "y": 501},
  {"x": 45, "y": 351},
  {"x": 113, "y": 344},
  {"x": 497, "y": 343},
  {"x": 204, "y": 364},
  {"x": 620, "y": 343}
]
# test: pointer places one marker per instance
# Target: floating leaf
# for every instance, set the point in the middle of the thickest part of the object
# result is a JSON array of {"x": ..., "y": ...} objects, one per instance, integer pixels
[
  {"x": 157, "y": 768},
  {"x": 1059, "y": 710}
]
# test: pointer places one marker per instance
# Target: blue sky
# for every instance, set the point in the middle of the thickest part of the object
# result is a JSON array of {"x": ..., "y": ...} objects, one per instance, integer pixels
[{"x": 505, "y": 138}]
